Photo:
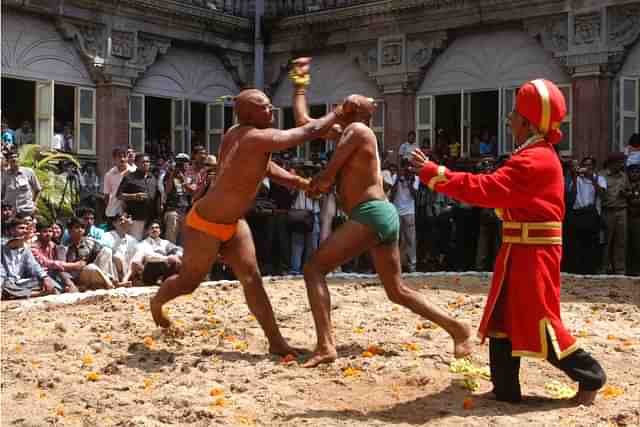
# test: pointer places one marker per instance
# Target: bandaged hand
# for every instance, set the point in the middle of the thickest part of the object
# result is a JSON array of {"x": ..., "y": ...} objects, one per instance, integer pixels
[{"x": 299, "y": 73}]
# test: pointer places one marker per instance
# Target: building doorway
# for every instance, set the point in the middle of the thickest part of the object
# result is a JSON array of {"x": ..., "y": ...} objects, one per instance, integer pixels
[
  {"x": 198, "y": 124},
  {"x": 18, "y": 102},
  {"x": 483, "y": 124},
  {"x": 157, "y": 126}
]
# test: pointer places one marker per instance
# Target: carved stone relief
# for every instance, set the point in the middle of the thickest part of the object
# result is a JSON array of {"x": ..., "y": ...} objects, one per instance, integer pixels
[
  {"x": 623, "y": 24},
  {"x": 587, "y": 28},
  {"x": 149, "y": 47},
  {"x": 551, "y": 31},
  {"x": 391, "y": 52},
  {"x": 365, "y": 55},
  {"x": 90, "y": 39},
  {"x": 123, "y": 44},
  {"x": 423, "y": 49}
]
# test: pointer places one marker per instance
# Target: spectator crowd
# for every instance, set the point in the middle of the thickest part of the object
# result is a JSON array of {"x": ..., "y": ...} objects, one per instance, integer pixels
[{"x": 129, "y": 233}]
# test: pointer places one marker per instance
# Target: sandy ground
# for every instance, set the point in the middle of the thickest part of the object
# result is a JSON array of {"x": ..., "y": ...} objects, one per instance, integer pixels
[{"x": 101, "y": 362}]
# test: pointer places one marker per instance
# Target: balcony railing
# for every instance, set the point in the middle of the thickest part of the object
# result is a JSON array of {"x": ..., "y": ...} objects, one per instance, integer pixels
[{"x": 283, "y": 8}]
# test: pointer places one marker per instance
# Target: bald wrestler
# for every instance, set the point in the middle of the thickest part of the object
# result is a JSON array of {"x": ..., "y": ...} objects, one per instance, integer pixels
[
  {"x": 215, "y": 224},
  {"x": 373, "y": 225}
]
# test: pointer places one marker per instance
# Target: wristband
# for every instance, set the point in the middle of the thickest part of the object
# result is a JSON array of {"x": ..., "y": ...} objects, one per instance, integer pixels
[
  {"x": 440, "y": 177},
  {"x": 300, "y": 90}
]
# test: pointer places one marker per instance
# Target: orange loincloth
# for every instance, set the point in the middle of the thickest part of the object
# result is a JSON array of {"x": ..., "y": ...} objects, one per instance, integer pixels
[{"x": 222, "y": 232}]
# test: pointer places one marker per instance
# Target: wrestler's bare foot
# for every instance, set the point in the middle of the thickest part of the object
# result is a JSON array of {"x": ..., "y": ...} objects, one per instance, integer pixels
[
  {"x": 585, "y": 397},
  {"x": 284, "y": 349},
  {"x": 321, "y": 356},
  {"x": 463, "y": 343},
  {"x": 158, "y": 315}
]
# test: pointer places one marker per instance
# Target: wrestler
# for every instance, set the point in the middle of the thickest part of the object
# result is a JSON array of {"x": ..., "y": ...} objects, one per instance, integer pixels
[
  {"x": 373, "y": 225},
  {"x": 522, "y": 313},
  {"x": 215, "y": 224}
]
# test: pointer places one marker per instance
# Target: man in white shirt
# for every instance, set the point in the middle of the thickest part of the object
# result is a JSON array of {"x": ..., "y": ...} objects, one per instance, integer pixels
[
  {"x": 403, "y": 196},
  {"x": 112, "y": 181},
  {"x": 156, "y": 258},
  {"x": 584, "y": 220},
  {"x": 406, "y": 148}
]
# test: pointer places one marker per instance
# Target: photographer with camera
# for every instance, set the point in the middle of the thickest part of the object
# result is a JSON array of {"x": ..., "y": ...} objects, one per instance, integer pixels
[
  {"x": 403, "y": 196},
  {"x": 178, "y": 200},
  {"x": 585, "y": 221}
]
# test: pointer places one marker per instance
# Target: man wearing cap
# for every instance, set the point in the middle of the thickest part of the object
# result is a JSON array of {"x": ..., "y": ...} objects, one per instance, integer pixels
[
  {"x": 20, "y": 186},
  {"x": 614, "y": 211},
  {"x": 215, "y": 224},
  {"x": 522, "y": 313}
]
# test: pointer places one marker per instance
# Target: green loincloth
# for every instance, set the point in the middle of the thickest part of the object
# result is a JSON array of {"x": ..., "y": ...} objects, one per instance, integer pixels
[{"x": 380, "y": 215}]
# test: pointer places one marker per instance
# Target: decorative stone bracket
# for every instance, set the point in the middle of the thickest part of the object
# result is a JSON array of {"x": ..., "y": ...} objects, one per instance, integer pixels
[
  {"x": 239, "y": 65},
  {"x": 113, "y": 55}
]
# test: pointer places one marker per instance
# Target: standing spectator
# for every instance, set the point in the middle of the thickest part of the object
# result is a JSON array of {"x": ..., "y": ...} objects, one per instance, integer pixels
[
  {"x": 633, "y": 200},
  {"x": 20, "y": 186},
  {"x": 98, "y": 271},
  {"x": 282, "y": 198},
  {"x": 51, "y": 256},
  {"x": 614, "y": 211},
  {"x": 305, "y": 240},
  {"x": 197, "y": 172},
  {"x": 403, "y": 196},
  {"x": 138, "y": 190},
  {"x": 389, "y": 176},
  {"x": 407, "y": 147},
  {"x": 633, "y": 150},
  {"x": 123, "y": 247},
  {"x": 24, "y": 135},
  {"x": 585, "y": 221},
  {"x": 67, "y": 138},
  {"x": 210, "y": 173},
  {"x": 178, "y": 200},
  {"x": 20, "y": 274},
  {"x": 57, "y": 142},
  {"x": 488, "y": 233},
  {"x": 569, "y": 168},
  {"x": 8, "y": 136},
  {"x": 131, "y": 159}
]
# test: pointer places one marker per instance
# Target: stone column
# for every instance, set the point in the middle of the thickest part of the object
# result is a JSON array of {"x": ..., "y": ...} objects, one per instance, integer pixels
[
  {"x": 112, "y": 126},
  {"x": 591, "y": 116},
  {"x": 399, "y": 118}
]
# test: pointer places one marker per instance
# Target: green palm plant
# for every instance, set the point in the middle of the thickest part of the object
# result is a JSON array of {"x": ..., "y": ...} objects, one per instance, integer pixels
[{"x": 55, "y": 201}]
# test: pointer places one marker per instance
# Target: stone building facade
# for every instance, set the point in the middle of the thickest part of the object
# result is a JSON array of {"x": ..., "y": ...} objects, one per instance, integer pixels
[{"x": 142, "y": 70}]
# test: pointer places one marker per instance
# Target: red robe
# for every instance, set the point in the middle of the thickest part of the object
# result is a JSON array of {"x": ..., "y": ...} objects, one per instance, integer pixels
[{"x": 524, "y": 300}]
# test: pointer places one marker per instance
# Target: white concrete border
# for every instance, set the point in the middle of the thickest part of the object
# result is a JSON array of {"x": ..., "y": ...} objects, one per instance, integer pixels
[{"x": 134, "y": 292}]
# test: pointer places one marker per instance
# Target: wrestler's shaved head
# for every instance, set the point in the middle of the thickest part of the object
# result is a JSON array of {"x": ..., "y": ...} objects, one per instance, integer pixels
[
  {"x": 247, "y": 101},
  {"x": 363, "y": 107}
]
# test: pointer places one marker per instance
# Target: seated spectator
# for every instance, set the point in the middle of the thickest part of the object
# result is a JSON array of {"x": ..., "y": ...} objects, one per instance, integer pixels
[
  {"x": 89, "y": 219},
  {"x": 123, "y": 246},
  {"x": 20, "y": 274},
  {"x": 51, "y": 257},
  {"x": 98, "y": 273},
  {"x": 156, "y": 258},
  {"x": 57, "y": 231},
  {"x": 8, "y": 214}
]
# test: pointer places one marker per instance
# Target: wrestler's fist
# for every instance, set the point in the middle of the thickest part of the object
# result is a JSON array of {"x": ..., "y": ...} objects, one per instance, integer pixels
[{"x": 301, "y": 65}]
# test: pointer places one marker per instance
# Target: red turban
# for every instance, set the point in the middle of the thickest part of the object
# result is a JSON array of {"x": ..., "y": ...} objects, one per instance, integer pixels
[{"x": 542, "y": 103}]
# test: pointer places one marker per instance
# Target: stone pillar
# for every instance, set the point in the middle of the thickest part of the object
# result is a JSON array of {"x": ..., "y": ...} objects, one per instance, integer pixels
[
  {"x": 591, "y": 116},
  {"x": 112, "y": 126},
  {"x": 399, "y": 119}
]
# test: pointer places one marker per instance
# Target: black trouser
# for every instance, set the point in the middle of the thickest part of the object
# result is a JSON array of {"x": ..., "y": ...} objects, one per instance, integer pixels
[{"x": 505, "y": 369}]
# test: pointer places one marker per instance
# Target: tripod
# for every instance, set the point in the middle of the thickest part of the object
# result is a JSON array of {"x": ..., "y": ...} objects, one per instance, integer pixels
[{"x": 71, "y": 185}]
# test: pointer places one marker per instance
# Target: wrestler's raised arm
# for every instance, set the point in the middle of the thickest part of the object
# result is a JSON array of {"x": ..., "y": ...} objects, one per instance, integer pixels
[
  {"x": 299, "y": 75},
  {"x": 283, "y": 177}
]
